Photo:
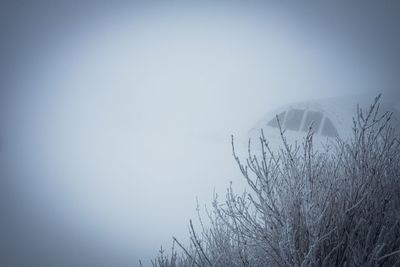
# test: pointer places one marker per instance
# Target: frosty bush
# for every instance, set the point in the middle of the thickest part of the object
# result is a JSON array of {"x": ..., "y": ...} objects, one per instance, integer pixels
[{"x": 306, "y": 207}]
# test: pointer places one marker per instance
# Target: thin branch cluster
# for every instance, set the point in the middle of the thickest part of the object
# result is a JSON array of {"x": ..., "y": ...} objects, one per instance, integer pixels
[{"x": 307, "y": 207}]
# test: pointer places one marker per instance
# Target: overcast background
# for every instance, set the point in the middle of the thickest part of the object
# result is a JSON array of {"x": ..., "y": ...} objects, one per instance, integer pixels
[{"x": 115, "y": 116}]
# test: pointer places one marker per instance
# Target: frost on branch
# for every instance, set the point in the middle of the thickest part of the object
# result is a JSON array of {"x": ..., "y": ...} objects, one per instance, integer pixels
[{"x": 308, "y": 207}]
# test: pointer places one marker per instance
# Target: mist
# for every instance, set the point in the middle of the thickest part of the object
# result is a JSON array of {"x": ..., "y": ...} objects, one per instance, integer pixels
[{"x": 116, "y": 117}]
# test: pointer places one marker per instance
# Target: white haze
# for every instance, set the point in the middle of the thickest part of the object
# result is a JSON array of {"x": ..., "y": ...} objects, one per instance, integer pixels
[{"x": 126, "y": 119}]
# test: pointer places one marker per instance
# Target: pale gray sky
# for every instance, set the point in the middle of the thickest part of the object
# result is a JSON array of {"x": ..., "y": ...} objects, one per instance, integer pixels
[{"x": 114, "y": 117}]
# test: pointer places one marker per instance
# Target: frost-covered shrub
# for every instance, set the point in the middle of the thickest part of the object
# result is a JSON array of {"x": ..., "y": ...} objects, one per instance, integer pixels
[{"x": 308, "y": 208}]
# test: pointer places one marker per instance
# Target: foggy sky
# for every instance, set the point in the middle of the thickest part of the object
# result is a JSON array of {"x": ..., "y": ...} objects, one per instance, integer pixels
[{"x": 115, "y": 116}]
